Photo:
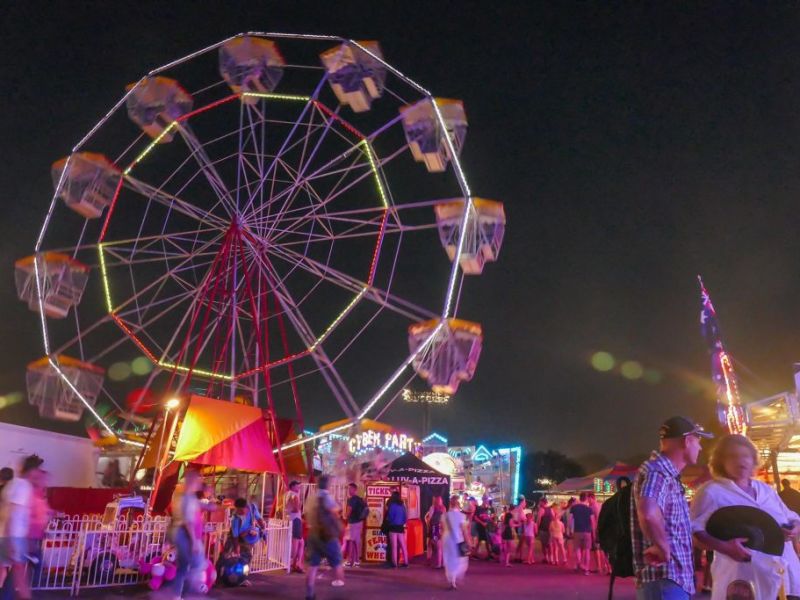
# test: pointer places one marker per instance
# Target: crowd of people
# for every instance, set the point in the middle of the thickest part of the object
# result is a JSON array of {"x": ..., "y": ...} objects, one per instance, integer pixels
[{"x": 659, "y": 534}]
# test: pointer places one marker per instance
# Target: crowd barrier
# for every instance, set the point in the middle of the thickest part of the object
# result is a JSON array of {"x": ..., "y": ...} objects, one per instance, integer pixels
[{"x": 86, "y": 552}]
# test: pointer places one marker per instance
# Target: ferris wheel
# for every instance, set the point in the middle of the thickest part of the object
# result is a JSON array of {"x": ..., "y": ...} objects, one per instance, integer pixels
[{"x": 258, "y": 222}]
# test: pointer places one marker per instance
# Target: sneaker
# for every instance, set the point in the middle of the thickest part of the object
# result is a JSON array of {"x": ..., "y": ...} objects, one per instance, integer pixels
[
  {"x": 337, "y": 583},
  {"x": 348, "y": 564},
  {"x": 356, "y": 564}
]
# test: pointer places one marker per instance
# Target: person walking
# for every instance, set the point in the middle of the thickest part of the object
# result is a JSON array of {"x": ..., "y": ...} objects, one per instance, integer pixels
[
  {"x": 183, "y": 530},
  {"x": 733, "y": 463},
  {"x": 543, "y": 521},
  {"x": 582, "y": 524},
  {"x": 294, "y": 512},
  {"x": 661, "y": 532},
  {"x": 600, "y": 557},
  {"x": 529, "y": 537},
  {"x": 790, "y": 496},
  {"x": 455, "y": 548},
  {"x": 396, "y": 518},
  {"x": 433, "y": 521},
  {"x": 519, "y": 516},
  {"x": 324, "y": 529},
  {"x": 17, "y": 504},
  {"x": 507, "y": 537},
  {"x": 557, "y": 538},
  {"x": 356, "y": 514}
]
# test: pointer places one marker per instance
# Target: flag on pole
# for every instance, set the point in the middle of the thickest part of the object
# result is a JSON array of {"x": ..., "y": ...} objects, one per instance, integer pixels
[{"x": 722, "y": 371}]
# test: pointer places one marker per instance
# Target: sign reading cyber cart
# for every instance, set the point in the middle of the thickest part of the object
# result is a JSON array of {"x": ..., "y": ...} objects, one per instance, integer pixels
[{"x": 371, "y": 439}]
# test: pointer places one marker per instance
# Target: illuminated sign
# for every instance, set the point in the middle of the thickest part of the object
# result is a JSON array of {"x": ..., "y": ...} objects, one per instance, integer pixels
[{"x": 370, "y": 439}]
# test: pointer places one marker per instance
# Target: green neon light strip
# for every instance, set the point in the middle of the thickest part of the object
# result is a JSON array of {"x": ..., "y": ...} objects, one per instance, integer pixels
[
  {"x": 374, "y": 166},
  {"x": 106, "y": 289},
  {"x": 338, "y": 319},
  {"x": 200, "y": 372},
  {"x": 276, "y": 96}
]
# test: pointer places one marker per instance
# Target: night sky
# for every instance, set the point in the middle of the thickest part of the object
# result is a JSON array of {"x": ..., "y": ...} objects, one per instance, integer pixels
[{"x": 634, "y": 146}]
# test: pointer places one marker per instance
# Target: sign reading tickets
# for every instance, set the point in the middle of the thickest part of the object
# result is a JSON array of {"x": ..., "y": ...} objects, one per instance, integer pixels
[
  {"x": 369, "y": 439},
  {"x": 375, "y": 546}
]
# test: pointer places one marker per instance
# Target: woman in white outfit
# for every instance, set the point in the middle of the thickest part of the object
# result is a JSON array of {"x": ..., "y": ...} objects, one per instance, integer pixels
[
  {"x": 732, "y": 464},
  {"x": 455, "y": 533}
]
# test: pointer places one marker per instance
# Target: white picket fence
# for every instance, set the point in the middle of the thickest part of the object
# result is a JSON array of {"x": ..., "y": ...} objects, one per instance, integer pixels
[{"x": 82, "y": 553}]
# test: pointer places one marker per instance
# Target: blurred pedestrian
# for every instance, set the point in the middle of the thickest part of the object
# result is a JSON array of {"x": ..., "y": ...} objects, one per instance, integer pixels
[
  {"x": 186, "y": 522},
  {"x": 455, "y": 548},
  {"x": 507, "y": 528},
  {"x": 324, "y": 529},
  {"x": 17, "y": 504}
]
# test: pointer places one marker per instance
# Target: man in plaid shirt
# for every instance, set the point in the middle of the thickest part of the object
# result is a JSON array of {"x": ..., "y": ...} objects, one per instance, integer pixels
[{"x": 660, "y": 528}]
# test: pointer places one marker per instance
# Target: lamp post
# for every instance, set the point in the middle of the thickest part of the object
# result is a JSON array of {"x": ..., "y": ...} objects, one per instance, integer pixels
[{"x": 426, "y": 398}]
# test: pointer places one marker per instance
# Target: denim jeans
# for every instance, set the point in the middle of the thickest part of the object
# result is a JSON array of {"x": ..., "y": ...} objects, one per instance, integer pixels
[
  {"x": 186, "y": 559},
  {"x": 663, "y": 589}
]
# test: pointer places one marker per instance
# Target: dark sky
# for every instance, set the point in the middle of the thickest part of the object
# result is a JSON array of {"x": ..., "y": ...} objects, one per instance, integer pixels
[{"x": 635, "y": 145}]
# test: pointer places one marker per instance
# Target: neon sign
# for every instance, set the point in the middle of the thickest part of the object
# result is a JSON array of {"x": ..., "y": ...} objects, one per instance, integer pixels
[{"x": 370, "y": 440}]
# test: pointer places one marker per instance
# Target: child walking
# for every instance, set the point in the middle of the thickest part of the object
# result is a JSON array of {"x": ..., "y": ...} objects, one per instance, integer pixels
[
  {"x": 529, "y": 535},
  {"x": 557, "y": 547}
]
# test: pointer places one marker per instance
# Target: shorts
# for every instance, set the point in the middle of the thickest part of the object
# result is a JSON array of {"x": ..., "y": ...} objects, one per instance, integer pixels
[
  {"x": 396, "y": 528},
  {"x": 582, "y": 540},
  {"x": 436, "y": 532},
  {"x": 13, "y": 550},
  {"x": 331, "y": 550},
  {"x": 544, "y": 537},
  {"x": 354, "y": 531},
  {"x": 297, "y": 529}
]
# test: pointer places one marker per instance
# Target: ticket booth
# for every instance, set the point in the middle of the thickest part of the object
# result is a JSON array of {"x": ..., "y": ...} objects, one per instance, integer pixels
[{"x": 376, "y": 544}]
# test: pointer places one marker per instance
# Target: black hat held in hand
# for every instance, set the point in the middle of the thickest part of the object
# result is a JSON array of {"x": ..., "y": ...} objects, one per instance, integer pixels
[{"x": 762, "y": 531}]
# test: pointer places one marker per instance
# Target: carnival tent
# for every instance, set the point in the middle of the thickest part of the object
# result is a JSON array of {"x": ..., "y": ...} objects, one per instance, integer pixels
[
  {"x": 587, "y": 483},
  {"x": 221, "y": 433},
  {"x": 410, "y": 469}
]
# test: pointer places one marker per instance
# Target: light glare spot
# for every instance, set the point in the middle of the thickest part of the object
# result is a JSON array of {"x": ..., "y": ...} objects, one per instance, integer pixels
[
  {"x": 602, "y": 361},
  {"x": 119, "y": 371},
  {"x": 141, "y": 366},
  {"x": 631, "y": 369}
]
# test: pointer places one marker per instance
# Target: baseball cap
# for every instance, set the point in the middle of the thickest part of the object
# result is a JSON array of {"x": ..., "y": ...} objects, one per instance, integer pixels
[{"x": 678, "y": 427}]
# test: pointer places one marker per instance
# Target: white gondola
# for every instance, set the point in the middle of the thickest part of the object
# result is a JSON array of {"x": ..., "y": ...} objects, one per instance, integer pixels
[
  {"x": 251, "y": 64},
  {"x": 452, "y": 355},
  {"x": 155, "y": 103},
  {"x": 483, "y": 234},
  {"x": 89, "y": 183},
  {"x": 354, "y": 76},
  {"x": 53, "y": 396},
  {"x": 62, "y": 281},
  {"x": 424, "y": 132}
]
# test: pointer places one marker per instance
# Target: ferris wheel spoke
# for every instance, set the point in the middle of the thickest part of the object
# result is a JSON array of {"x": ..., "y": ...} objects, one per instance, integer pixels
[
  {"x": 335, "y": 383},
  {"x": 287, "y": 142},
  {"x": 298, "y": 175},
  {"x": 173, "y": 202},
  {"x": 397, "y": 304},
  {"x": 207, "y": 166}
]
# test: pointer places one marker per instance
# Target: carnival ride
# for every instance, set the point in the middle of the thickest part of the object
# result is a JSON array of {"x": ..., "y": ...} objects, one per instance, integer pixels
[{"x": 260, "y": 240}]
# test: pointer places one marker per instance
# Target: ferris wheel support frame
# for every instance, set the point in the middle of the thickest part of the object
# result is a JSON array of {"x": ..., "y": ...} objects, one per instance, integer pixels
[{"x": 454, "y": 273}]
